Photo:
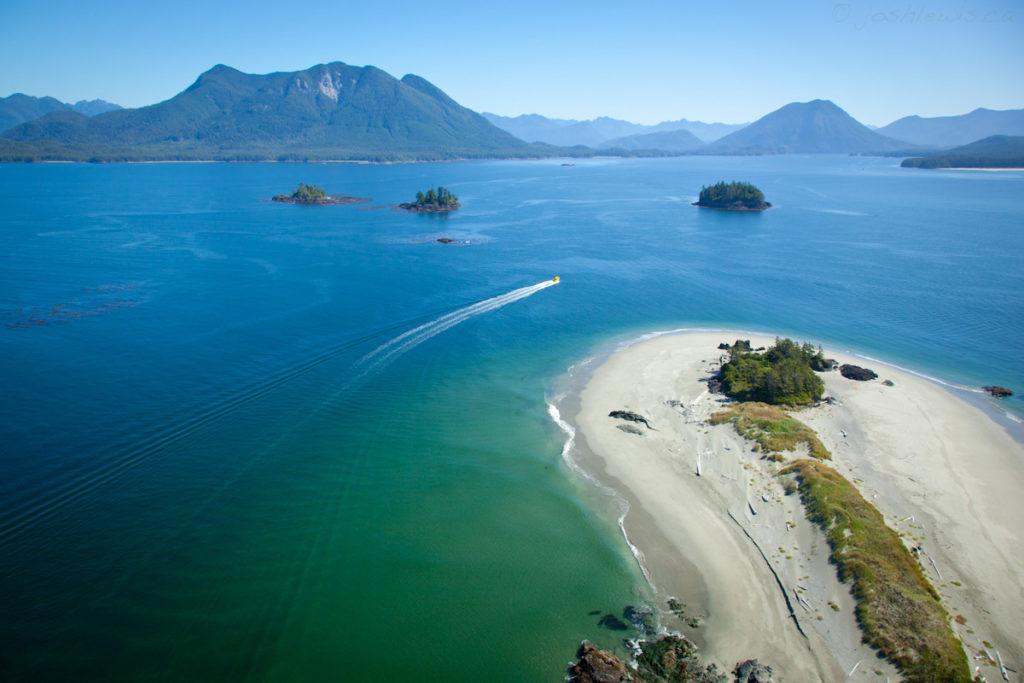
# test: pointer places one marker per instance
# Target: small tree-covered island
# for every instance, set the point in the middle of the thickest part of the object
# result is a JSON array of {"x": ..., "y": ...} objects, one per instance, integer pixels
[
  {"x": 440, "y": 200},
  {"x": 734, "y": 196},
  {"x": 782, "y": 375},
  {"x": 312, "y": 195}
]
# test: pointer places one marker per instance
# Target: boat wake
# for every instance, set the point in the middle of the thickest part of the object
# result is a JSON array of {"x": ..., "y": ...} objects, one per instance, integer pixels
[
  {"x": 121, "y": 458},
  {"x": 390, "y": 350}
]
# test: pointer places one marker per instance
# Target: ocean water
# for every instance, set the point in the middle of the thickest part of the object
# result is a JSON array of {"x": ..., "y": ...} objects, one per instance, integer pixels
[{"x": 243, "y": 440}]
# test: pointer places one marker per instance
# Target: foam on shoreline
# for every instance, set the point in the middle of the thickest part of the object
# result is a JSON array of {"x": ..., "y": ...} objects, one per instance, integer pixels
[{"x": 905, "y": 446}]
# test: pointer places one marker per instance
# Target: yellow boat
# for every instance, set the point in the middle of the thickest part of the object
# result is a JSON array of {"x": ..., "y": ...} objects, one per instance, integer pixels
[{"x": 555, "y": 279}]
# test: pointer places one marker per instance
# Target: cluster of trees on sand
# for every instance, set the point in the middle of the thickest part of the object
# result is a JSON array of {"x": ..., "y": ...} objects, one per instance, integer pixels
[{"x": 783, "y": 374}]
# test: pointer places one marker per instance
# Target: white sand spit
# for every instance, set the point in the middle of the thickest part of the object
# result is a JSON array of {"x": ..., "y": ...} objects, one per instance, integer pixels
[{"x": 738, "y": 551}]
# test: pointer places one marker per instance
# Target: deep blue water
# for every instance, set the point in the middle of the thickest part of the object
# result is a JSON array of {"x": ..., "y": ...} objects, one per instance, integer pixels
[{"x": 200, "y": 478}]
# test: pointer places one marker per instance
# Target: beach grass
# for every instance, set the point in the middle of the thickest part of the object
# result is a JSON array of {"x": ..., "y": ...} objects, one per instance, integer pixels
[
  {"x": 898, "y": 609},
  {"x": 772, "y": 428}
]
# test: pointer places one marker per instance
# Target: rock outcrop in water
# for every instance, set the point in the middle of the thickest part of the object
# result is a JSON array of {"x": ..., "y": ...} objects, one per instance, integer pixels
[
  {"x": 734, "y": 196},
  {"x": 598, "y": 666},
  {"x": 856, "y": 372},
  {"x": 610, "y": 621},
  {"x": 413, "y": 207},
  {"x": 311, "y": 195},
  {"x": 998, "y": 392},
  {"x": 669, "y": 658},
  {"x": 318, "y": 201},
  {"x": 440, "y": 200}
]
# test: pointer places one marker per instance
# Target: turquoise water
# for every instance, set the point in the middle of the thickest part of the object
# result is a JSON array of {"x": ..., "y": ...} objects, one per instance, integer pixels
[{"x": 221, "y": 458}]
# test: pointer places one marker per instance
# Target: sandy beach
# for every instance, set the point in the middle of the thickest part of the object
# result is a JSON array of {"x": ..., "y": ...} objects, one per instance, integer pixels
[{"x": 738, "y": 552}]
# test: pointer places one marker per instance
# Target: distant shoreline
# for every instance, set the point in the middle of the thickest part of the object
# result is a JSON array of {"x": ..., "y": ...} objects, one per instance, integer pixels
[
  {"x": 977, "y": 168},
  {"x": 367, "y": 162},
  {"x": 360, "y": 162}
]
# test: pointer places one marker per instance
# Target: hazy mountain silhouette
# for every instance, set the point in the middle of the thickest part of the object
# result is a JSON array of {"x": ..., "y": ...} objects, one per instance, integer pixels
[
  {"x": 812, "y": 127},
  {"x": 948, "y": 131}
]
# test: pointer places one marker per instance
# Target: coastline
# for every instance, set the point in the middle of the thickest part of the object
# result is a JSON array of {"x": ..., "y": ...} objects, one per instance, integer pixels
[
  {"x": 730, "y": 544},
  {"x": 981, "y": 168}
]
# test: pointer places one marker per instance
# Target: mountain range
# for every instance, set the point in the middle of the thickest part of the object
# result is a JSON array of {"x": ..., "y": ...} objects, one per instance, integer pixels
[
  {"x": 952, "y": 131},
  {"x": 668, "y": 141},
  {"x": 329, "y": 111},
  {"x": 18, "y": 108},
  {"x": 602, "y": 132},
  {"x": 337, "y": 111}
]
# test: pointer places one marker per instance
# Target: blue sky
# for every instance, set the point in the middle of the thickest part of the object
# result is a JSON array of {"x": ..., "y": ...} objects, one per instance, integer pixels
[{"x": 641, "y": 61}]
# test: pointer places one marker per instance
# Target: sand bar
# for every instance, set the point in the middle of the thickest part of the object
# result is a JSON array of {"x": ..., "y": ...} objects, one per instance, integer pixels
[{"x": 739, "y": 553}]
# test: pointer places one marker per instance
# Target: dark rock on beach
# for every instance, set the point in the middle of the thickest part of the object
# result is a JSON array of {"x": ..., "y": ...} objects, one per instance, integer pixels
[
  {"x": 631, "y": 416},
  {"x": 998, "y": 392},
  {"x": 856, "y": 372},
  {"x": 751, "y": 671},
  {"x": 823, "y": 364}
]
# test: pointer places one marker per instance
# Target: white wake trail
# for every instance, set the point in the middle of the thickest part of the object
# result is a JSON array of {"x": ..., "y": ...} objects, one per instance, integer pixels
[{"x": 392, "y": 349}]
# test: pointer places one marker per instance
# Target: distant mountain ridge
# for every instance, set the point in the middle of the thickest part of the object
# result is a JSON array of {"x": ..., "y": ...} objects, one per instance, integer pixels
[
  {"x": 563, "y": 132},
  {"x": 815, "y": 127},
  {"x": 341, "y": 112},
  {"x": 94, "y": 107},
  {"x": 599, "y": 132},
  {"x": 668, "y": 141},
  {"x": 706, "y": 132},
  {"x": 19, "y": 108},
  {"x": 951, "y": 131},
  {"x": 329, "y": 111}
]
